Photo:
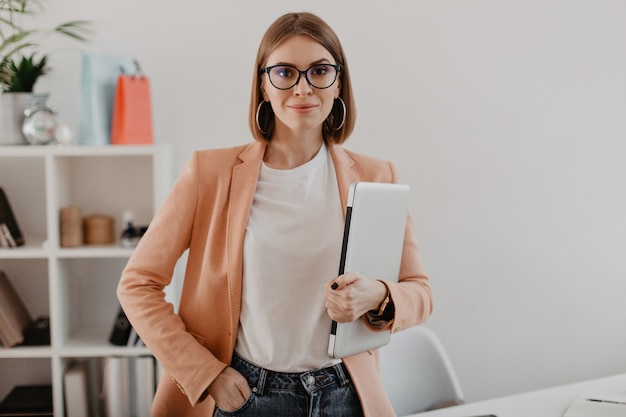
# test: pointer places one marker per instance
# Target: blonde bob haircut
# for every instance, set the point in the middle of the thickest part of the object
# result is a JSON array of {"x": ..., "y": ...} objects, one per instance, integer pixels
[{"x": 310, "y": 25}]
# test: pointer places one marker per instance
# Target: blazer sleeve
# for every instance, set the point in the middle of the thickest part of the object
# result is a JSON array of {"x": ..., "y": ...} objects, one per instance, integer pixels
[
  {"x": 141, "y": 289},
  {"x": 412, "y": 294}
]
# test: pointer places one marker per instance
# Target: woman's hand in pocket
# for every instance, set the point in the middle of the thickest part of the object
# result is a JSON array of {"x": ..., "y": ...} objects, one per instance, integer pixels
[{"x": 230, "y": 390}]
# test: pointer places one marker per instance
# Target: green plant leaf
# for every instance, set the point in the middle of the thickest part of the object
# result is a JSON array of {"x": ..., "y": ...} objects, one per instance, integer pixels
[
  {"x": 77, "y": 29},
  {"x": 19, "y": 73},
  {"x": 16, "y": 38},
  {"x": 25, "y": 73}
]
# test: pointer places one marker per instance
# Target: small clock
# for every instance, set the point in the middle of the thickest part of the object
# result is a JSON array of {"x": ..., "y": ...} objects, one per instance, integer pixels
[{"x": 39, "y": 125}]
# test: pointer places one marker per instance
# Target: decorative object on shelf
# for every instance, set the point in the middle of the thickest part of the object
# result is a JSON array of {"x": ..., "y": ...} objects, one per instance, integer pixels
[
  {"x": 38, "y": 332},
  {"x": 131, "y": 233},
  {"x": 19, "y": 73},
  {"x": 12, "y": 113},
  {"x": 63, "y": 134},
  {"x": 132, "y": 110},
  {"x": 99, "y": 230},
  {"x": 39, "y": 125},
  {"x": 71, "y": 227},
  {"x": 10, "y": 234},
  {"x": 99, "y": 73}
]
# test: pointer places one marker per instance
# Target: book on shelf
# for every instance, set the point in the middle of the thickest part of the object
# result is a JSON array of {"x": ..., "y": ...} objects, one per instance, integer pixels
[
  {"x": 123, "y": 333},
  {"x": 6, "y": 238},
  {"x": 10, "y": 231},
  {"x": 27, "y": 400},
  {"x": 115, "y": 387},
  {"x": 145, "y": 384},
  {"x": 4, "y": 326},
  {"x": 126, "y": 385},
  {"x": 4, "y": 241},
  {"x": 134, "y": 339},
  {"x": 121, "y": 329},
  {"x": 76, "y": 390},
  {"x": 14, "y": 317}
]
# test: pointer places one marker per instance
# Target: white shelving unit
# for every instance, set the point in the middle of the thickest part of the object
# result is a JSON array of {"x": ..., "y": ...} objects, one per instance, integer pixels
[{"x": 75, "y": 287}]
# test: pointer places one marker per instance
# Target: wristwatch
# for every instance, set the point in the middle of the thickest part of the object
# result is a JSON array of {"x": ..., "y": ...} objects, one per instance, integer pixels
[{"x": 383, "y": 305}]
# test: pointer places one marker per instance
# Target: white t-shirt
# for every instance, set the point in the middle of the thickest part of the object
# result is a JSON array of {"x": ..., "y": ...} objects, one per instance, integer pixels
[{"x": 292, "y": 249}]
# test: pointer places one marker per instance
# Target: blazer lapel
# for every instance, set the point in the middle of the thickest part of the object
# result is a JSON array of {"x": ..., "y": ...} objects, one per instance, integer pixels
[
  {"x": 244, "y": 180},
  {"x": 346, "y": 175}
]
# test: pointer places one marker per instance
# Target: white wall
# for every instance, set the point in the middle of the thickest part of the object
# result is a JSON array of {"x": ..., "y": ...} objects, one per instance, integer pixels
[{"x": 507, "y": 118}]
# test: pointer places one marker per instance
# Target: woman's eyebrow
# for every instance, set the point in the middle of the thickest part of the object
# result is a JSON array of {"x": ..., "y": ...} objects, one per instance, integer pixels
[{"x": 319, "y": 61}]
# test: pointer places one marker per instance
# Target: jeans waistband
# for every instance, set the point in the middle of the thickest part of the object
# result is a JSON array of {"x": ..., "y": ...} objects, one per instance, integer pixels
[{"x": 261, "y": 379}]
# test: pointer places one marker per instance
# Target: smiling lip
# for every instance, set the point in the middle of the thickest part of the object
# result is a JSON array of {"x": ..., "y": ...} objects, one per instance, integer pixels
[{"x": 302, "y": 108}]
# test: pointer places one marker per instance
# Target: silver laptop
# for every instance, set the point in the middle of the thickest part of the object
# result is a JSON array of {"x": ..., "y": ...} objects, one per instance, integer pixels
[{"x": 372, "y": 246}]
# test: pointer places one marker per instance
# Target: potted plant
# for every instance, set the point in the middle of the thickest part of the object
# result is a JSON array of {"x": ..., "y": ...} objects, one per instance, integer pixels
[
  {"x": 19, "y": 72},
  {"x": 24, "y": 72}
]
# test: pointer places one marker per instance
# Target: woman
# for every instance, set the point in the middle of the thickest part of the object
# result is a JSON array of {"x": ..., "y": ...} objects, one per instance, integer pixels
[{"x": 263, "y": 224}]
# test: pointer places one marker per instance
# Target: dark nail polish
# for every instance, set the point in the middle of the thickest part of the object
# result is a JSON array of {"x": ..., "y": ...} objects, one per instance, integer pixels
[{"x": 334, "y": 286}]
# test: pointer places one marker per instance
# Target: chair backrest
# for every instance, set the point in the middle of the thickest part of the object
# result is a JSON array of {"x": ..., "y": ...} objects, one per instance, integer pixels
[{"x": 417, "y": 373}]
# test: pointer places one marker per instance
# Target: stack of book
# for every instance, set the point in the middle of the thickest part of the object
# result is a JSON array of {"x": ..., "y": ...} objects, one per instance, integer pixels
[{"x": 10, "y": 234}]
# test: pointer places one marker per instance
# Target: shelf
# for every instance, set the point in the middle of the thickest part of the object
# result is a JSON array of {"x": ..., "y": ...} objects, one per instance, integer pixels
[
  {"x": 38, "y": 251},
  {"x": 76, "y": 150},
  {"x": 74, "y": 286},
  {"x": 34, "y": 248},
  {"x": 96, "y": 251},
  {"x": 26, "y": 352},
  {"x": 94, "y": 343},
  {"x": 87, "y": 344}
]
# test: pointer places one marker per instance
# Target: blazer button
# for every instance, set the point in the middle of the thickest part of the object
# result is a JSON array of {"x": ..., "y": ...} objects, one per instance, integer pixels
[{"x": 180, "y": 387}]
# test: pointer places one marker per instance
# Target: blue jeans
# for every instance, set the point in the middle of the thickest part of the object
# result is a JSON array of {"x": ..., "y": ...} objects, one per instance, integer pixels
[{"x": 320, "y": 393}]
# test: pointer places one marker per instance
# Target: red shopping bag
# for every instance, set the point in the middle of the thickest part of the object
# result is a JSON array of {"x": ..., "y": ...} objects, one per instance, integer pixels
[{"x": 131, "y": 123}]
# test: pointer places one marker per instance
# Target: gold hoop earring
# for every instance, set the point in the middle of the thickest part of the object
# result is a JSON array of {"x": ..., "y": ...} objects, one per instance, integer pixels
[
  {"x": 343, "y": 119},
  {"x": 258, "y": 111}
]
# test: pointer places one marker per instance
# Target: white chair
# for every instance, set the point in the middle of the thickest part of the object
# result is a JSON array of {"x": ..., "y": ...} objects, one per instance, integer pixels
[{"x": 417, "y": 373}]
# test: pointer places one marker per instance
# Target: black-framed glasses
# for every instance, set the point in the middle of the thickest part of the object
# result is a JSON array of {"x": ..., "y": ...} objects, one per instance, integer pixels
[{"x": 284, "y": 77}]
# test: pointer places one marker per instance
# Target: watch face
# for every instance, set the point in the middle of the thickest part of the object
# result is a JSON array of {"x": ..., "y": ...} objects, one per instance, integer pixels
[{"x": 39, "y": 127}]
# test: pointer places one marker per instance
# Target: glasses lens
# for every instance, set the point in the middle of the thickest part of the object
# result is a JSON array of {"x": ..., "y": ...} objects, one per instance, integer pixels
[
  {"x": 321, "y": 76},
  {"x": 283, "y": 76}
]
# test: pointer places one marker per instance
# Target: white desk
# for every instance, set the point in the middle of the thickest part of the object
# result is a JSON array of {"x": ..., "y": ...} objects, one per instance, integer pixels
[{"x": 550, "y": 402}]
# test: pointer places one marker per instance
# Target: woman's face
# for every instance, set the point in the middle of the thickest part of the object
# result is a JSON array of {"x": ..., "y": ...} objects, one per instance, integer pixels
[{"x": 303, "y": 108}]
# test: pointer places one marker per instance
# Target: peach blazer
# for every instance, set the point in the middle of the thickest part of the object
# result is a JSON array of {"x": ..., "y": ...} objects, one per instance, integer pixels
[{"x": 206, "y": 212}]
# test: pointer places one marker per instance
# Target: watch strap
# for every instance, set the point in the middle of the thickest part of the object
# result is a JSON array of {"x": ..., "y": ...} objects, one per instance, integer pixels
[{"x": 383, "y": 306}]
